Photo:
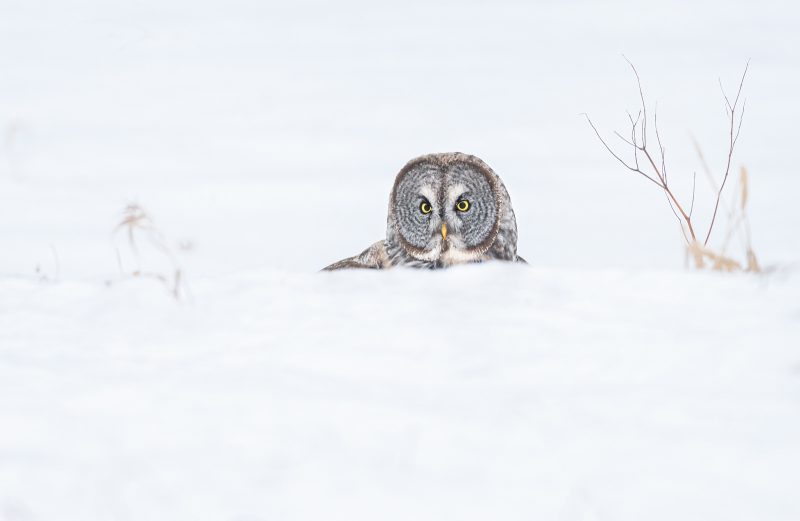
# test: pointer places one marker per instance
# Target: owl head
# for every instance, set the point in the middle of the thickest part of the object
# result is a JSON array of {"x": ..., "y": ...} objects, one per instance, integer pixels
[{"x": 449, "y": 209}]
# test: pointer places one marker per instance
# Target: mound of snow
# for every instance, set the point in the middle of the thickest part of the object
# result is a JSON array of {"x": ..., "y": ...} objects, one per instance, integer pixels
[{"x": 484, "y": 392}]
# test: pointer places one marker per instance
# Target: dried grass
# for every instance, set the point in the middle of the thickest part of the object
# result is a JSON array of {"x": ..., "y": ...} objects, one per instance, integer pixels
[{"x": 138, "y": 228}]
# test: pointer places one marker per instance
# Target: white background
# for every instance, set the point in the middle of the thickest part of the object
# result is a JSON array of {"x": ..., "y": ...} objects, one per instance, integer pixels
[{"x": 602, "y": 382}]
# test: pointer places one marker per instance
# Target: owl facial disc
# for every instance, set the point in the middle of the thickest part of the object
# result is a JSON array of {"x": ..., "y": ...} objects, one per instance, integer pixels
[{"x": 445, "y": 208}]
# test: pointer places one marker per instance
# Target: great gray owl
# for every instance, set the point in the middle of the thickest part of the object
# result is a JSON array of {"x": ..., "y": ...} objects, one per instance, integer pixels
[{"x": 444, "y": 209}]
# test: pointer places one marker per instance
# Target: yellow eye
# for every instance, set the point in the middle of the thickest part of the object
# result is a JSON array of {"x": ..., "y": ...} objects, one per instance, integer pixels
[
  {"x": 462, "y": 205},
  {"x": 425, "y": 207}
]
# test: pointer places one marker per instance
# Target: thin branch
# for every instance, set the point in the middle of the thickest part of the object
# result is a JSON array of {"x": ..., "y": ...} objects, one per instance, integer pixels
[
  {"x": 678, "y": 218},
  {"x": 730, "y": 208},
  {"x": 685, "y": 216},
  {"x": 741, "y": 119},
  {"x": 660, "y": 146},
  {"x": 741, "y": 83},
  {"x": 658, "y": 177},
  {"x": 725, "y": 97},
  {"x": 613, "y": 154},
  {"x": 641, "y": 97},
  {"x": 633, "y": 138},
  {"x": 657, "y": 173},
  {"x": 732, "y": 145},
  {"x": 624, "y": 139}
]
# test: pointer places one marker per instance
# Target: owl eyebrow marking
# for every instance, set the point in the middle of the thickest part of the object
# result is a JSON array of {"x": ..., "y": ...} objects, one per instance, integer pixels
[
  {"x": 427, "y": 192},
  {"x": 458, "y": 189}
]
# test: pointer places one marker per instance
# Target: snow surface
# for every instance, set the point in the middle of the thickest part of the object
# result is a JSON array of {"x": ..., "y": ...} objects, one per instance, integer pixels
[{"x": 601, "y": 382}]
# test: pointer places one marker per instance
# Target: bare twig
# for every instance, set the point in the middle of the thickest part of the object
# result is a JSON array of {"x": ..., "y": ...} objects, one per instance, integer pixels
[
  {"x": 641, "y": 97},
  {"x": 660, "y": 146},
  {"x": 626, "y": 165},
  {"x": 732, "y": 145},
  {"x": 638, "y": 143},
  {"x": 655, "y": 170}
]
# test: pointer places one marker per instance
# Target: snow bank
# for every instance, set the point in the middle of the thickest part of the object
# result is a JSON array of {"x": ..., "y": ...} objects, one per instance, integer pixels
[{"x": 493, "y": 391}]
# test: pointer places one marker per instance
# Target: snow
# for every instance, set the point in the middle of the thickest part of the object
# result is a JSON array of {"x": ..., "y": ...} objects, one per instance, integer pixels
[
  {"x": 601, "y": 382},
  {"x": 491, "y": 391}
]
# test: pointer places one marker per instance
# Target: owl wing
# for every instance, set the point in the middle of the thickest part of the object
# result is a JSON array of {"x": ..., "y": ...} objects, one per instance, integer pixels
[{"x": 373, "y": 257}]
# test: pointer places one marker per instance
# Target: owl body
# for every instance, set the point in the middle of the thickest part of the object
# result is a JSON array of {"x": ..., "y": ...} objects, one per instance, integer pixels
[{"x": 444, "y": 209}]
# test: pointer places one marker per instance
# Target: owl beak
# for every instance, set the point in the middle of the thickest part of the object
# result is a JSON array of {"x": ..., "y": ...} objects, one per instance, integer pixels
[{"x": 444, "y": 231}]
